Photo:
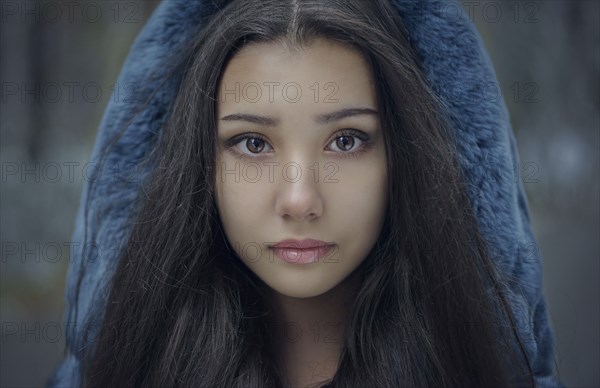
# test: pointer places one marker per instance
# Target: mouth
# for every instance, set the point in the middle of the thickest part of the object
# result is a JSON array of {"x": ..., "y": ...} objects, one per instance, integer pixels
[{"x": 301, "y": 251}]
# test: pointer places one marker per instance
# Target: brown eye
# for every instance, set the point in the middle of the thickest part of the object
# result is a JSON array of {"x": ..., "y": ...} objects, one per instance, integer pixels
[
  {"x": 345, "y": 143},
  {"x": 249, "y": 145},
  {"x": 255, "y": 145},
  {"x": 349, "y": 142}
]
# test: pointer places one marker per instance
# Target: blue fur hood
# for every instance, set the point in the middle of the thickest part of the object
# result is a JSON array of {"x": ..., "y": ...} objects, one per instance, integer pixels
[{"x": 455, "y": 63}]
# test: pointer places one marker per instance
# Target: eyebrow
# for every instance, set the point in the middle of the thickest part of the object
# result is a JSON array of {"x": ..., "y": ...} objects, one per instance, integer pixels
[{"x": 323, "y": 118}]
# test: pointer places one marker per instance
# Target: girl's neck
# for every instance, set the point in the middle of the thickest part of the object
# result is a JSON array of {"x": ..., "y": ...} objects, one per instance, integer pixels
[{"x": 311, "y": 330}]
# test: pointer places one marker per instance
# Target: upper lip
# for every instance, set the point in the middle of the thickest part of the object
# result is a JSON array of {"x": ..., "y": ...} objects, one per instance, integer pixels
[{"x": 300, "y": 244}]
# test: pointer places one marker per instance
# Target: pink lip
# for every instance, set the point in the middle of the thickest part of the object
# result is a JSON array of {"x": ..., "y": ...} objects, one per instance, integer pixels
[
  {"x": 301, "y": 251},
  {"x": 300, "y": 244}
]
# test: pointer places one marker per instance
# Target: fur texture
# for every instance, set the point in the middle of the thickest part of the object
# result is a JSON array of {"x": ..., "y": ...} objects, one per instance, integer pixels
[{"x": 457, "y": 66}]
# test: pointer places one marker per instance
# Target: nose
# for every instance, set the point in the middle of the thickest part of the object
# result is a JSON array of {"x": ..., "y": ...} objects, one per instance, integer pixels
[{"x": 299, "y": 198}]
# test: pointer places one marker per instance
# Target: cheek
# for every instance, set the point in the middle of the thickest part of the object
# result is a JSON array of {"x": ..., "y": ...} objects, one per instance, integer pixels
[
  {"x": 364, "y": 211},
  {"x": 240, "y": 201},
  {"x": 362, "y": 208},
  {"x": 360, "y": 201}
]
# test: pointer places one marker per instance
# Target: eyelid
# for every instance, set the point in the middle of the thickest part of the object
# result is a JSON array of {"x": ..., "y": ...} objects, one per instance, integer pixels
[
  {"x": 247, "y": 135},
  {"x": 363, "y": 137}
]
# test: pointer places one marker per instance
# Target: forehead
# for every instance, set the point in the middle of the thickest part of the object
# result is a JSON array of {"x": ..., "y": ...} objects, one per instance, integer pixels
[{"x": 324, "y": 75}]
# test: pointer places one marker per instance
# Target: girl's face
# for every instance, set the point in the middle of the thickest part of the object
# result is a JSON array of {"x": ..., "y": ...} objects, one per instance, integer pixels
[{"x": 300, "y": 156}]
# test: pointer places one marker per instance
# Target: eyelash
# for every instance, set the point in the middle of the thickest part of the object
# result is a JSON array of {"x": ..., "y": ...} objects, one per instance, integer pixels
[{"x": 364, "y": 138}]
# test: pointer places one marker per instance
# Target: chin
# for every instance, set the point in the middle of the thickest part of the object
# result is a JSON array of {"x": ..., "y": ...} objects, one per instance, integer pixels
[{"x": 303, "y": 290}]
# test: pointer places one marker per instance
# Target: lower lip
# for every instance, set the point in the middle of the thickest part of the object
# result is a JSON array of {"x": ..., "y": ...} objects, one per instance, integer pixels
[{"x": 302, "y": 256}]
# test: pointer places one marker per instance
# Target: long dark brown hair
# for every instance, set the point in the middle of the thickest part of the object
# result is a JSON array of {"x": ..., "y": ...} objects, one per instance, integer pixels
[{"x": 183, "y": 310}]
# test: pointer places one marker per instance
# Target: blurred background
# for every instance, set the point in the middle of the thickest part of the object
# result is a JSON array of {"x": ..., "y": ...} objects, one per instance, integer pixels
[{"x": 59, "y": 64}]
